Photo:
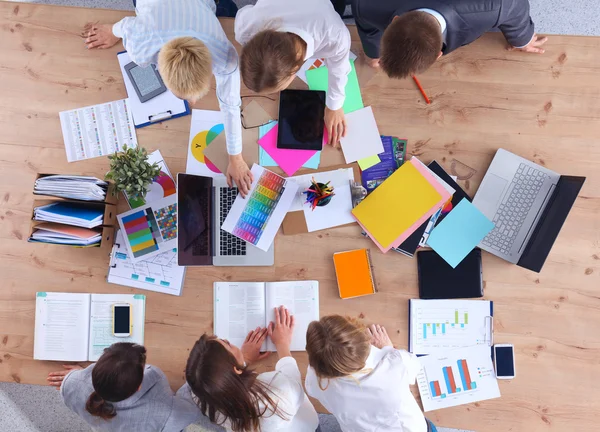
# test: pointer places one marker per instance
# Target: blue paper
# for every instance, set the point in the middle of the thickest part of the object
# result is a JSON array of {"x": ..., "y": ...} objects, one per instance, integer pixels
[
  {"x": 461, "y": 230},
  {"x": 74, "y": 210},
  {"x": 265, "y": 160}
]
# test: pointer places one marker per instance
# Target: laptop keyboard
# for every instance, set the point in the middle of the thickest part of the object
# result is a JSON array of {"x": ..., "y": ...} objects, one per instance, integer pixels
[
  {"x": 511, "y": 214},
  {"x": 230, "y": 244}
]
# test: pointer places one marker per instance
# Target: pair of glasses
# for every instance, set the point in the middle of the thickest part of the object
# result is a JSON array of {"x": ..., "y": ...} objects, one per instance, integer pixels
[{"x": 245, "y": 123}]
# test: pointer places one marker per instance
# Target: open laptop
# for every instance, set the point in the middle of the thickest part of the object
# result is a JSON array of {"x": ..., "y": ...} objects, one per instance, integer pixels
[
  {"x": 202, "y": 206},
  {"x": 528, "y": 205}
]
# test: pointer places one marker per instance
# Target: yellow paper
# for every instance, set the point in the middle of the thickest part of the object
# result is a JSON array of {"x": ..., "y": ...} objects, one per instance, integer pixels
[
  {"x": 368, "y": 162},
  {"x": 396, "y": 204}
]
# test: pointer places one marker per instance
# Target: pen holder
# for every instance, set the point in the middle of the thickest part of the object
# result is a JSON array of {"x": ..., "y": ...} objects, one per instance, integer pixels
[
  {"x": 323, "y": 201},
  {"x": 318, "y": 194}
]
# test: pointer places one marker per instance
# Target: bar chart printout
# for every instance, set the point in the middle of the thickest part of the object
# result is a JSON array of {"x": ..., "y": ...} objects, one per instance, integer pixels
[{"x": 457, "y": 377}]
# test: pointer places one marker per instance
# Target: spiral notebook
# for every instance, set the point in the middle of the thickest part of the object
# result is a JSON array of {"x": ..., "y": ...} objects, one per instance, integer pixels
[{"x": 354, "y": 273}]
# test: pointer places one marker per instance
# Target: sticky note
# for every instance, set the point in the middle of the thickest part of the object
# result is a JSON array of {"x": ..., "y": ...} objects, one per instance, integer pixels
[
  {"x": 318, "y": 80},
  {"x": 368, "y": 162},
  {"x": 460, "y": 231}
]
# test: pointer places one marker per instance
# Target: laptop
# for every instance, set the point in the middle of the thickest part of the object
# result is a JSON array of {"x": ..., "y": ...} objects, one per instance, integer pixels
[
  {"x": 203, "y": 204},
  {"x": 528, "y": 204}
]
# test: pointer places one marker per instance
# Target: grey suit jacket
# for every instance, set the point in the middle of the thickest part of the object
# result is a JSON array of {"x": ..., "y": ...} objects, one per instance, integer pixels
[{"x": 466, "y": 20}]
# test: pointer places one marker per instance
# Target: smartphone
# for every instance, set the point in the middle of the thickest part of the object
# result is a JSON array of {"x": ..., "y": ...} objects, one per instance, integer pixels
[
  {"x": 504, "y": 357},
  {"x": 122, "y": 320}
]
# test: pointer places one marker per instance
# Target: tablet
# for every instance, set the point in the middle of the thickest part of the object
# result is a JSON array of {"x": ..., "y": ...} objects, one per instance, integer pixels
[
  {"x": 146, "y": 81},
  {"x": 301, "y": 120}
]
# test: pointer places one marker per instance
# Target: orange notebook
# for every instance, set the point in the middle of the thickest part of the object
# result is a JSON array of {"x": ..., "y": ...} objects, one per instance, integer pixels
[{"x": 354, "y": 273}]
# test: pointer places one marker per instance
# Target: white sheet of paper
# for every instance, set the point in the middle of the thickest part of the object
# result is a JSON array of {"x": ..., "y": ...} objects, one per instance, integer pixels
[
  {"x": 205, "y": 126},
  {"x": 362, "y": 136}
]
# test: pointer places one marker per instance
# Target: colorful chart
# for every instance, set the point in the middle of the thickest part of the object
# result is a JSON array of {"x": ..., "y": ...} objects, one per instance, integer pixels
[
  {"x": 166, "y": 218},
  {"x": 260, "y": 206},
  {"x": 203, "y": 140},
  {"x": 141, "y": 230},
  {"x": 163, "y": 185}
]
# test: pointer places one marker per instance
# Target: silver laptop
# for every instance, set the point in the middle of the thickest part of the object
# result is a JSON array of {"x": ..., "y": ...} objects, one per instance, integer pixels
[{"x": 513, "y": 195}]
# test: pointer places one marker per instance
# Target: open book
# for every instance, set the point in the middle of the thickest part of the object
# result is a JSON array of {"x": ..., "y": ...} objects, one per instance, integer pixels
[
  {"x": 77, "y": 327},
  {"x": 243, "y": 306}
]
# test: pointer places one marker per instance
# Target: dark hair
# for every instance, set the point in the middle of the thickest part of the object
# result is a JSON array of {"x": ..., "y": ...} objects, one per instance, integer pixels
[
  {"x": 410, "y": 44},
  {"x": 269, "y": 58},
  {"x": 117, "y": 375},
  {"x": 220, "y": 390}
]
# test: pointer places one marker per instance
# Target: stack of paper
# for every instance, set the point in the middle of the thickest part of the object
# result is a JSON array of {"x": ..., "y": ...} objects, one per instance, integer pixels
[
  {"x": 71, "y": 187},
  {"x": 66, "y": 235},
  {"x": 70, "y": 213}
]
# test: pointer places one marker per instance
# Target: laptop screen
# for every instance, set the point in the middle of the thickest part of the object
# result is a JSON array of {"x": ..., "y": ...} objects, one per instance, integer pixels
[{"x": 194, "y": 204}]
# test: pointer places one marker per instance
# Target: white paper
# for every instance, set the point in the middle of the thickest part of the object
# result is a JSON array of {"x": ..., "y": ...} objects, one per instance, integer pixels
[
  {"x": 97, "y": 130},
  {"x": 239, "y": 308},
  {"x": 301, "y": 298},
  {"x": 159, "y": 273},
  {"x": 457, "y": 324},
  {"x": 245, "y": 207},
  {"x": 205, "y": 126},
  {"x": 61, "y": 326},
  {"x": 314, "y": 63},
  {"x": 155, "y": 107},
  {"x": 477, "y": 383},
  {"x": 362, "y": 136},
  {"x": 101, "y": 321}
]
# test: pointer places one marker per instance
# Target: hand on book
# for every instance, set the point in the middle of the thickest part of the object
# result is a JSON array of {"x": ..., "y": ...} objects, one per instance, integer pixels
[
  {"x": 252, "y": 344},
  {"x": 55, "y": 379},
  {"x": 379, "y": 336},
  {"x": 281, "y": 331}
]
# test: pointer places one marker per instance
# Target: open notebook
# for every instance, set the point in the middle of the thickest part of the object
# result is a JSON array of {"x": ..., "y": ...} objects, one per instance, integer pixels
[
  {"x": 244, "y": 306},
  {"x": 77, "y": 327}
]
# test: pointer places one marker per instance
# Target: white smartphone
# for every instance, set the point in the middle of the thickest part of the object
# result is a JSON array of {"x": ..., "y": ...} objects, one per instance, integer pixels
[
  {"x": 122, "y": 319},
  {"x": 504, "y": 359}
]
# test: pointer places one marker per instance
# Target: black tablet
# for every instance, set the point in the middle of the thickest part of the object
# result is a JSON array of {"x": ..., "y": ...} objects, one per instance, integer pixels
[
  {"x": 301, "y": 120},
  {"x": 146, "y": 81}
]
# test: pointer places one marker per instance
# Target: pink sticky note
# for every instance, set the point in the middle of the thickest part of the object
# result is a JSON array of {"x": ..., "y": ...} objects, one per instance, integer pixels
[{"x": 289, "y": 161}]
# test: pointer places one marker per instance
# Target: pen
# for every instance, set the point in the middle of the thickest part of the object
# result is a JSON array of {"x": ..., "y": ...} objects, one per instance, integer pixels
[{"x": 421, "y": 89}]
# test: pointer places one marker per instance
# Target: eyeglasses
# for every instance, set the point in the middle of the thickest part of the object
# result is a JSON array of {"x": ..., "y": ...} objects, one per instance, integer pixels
[{"x": 247, "y": 121}]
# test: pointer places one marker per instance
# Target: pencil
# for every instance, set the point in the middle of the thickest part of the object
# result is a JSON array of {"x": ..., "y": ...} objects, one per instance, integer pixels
[{"x": 421, "y": 89}]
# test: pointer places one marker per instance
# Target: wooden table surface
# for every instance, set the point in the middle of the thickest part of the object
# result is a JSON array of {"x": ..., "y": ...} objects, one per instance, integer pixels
[{"x": 545, "y": 108}]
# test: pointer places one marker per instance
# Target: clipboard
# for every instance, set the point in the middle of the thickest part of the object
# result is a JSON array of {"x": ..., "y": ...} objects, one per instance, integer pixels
[{"x": 165, "y": 106}]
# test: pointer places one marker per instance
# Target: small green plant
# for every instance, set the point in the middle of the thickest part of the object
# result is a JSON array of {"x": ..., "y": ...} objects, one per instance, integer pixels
[{"x": 131, "y": 172}]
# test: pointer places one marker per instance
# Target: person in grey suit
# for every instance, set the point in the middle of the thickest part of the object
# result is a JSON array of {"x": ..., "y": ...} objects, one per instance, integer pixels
[
  {"x": 121, "y": 393},
  {"x": 405, "y": 37}
]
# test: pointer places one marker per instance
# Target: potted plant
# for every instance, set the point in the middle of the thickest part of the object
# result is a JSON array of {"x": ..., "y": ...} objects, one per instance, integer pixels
[{"x": 131, "y": 172}]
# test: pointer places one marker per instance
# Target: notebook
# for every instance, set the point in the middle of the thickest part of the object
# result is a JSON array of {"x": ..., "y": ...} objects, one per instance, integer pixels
[
  {"x": 77, "y": 327},
  {"x": 354, "y": 273},
  {"x": 243, "y": 306}
]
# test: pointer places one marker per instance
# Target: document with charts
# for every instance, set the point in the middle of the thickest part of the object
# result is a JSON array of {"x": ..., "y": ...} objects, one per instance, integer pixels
[{"x": 77, "y": 327}]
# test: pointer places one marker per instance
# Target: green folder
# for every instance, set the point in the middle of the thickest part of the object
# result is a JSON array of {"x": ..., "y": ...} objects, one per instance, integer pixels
[{"x": 317, "y": 80}]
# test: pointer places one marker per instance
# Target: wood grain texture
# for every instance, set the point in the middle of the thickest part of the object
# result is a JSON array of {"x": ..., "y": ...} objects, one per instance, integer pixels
[{"x": 545, "y": 108}]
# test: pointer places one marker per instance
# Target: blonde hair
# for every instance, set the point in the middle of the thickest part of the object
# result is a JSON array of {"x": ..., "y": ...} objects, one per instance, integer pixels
[
  {"x": 185, "y": 66},
  {"x": 337, "y": 346}
]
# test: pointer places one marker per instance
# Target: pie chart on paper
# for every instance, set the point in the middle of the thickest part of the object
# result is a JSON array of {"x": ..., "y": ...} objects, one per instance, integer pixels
[{"x": 201, "y": 141}]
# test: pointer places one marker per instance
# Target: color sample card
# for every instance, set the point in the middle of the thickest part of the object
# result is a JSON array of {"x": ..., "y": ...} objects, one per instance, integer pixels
[
  {"x": 151, "y": 229},
  {"x": 460, "y": 231},
  {"x": 162, "y": 185},
  {"x": 257, "y": 218}
]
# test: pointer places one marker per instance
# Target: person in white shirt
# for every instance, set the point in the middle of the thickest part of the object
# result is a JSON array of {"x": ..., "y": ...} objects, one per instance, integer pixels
[
  {"x": 219, "y": 381},
  {"x": 278, "y": 36},
  {"x": 358, "y": 375},
  {"x": 185, "y": 39}
]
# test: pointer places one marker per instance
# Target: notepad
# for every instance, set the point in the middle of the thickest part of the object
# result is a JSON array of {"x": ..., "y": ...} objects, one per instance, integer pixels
[
  {"x": 317, "y": 79},
  {"x": 460, "y": 231},
  {"x": 362, "y": 138},
  {"x": 354, "y": 273},
  {"x": 400, "y": 205}
]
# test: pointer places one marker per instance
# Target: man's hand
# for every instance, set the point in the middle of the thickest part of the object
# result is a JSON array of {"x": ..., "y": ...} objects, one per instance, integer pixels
[
  {"x": 373, "y": 62},
  {"x": 335, "y": 122},
  {"x": 534, "y": 46},
  {"x": 99, "y": 36},
  {"x": 281, "y": 331},
  {"x": 379, "y": 336},
  {"x": 55, "y": 379},
  {"x": 238, "y": 172},
  {"x": 251, "y": 346}
]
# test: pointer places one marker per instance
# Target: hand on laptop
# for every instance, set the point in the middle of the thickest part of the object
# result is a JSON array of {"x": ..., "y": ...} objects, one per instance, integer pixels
[
  {"x": 99, "y": 36},
  {"x": 534, "y": 46},
  {"x": 238, "y": 172},
  {"x": 335, "y": 122}
]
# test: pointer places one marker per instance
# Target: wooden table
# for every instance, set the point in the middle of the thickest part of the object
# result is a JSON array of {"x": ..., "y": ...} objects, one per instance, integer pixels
[{"x": 545, "y": 108}]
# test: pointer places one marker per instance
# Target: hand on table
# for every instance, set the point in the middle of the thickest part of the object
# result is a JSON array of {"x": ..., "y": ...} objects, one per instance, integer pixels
[
  {"x": 99, "y": 36},
  {"x": 55, "y": 379},
  {"x": 335, "y": 122},
  {"x": 379, "y": 336},
  {"x": 238, "y": 172},
  {"x": 251, "y": 346},
  {"x": 281, "y": 331},
  {"x": 534, "y": 46}
]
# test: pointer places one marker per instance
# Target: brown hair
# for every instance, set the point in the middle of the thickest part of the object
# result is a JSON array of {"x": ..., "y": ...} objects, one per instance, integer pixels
[
  {"x": 220, "y": 390},
  {"x": 185, "y": 66},
  {"x": 337, "y": 346},
  {"x": 410, "y": 44},
  {"x": 269, "y": 58},
  {"x": 117, "y": 375}
]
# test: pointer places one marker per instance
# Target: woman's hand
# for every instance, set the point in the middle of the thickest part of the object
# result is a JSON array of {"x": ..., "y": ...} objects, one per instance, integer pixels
[
  {"x": 55, "y": 379},
  {"x": 379, "y": 336},
  {"x": 99, "y": 36},
  {"x": 252, "y": 344},
  {"x": 281, "y": 331},
  {"x": 335, "y": 122}
]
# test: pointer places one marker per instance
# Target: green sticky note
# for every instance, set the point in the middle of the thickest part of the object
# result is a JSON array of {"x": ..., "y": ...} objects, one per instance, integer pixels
[
  {"x": 41, "y": 294},
  {"x": 317, "y": 80},
  {"x": 368, "y": 162}
]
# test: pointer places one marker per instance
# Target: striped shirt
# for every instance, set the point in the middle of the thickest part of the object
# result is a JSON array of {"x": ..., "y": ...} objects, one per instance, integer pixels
[{"x": 159, "y": 21}]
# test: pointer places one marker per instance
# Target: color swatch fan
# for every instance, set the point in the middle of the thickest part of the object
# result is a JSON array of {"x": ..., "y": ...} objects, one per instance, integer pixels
[{"x": 162, "y": 186}]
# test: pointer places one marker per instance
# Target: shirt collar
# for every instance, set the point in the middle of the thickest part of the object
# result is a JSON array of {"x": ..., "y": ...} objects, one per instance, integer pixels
[
  {"x": 305, "y": 36},
  {"x": 440, "y": 19}
]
